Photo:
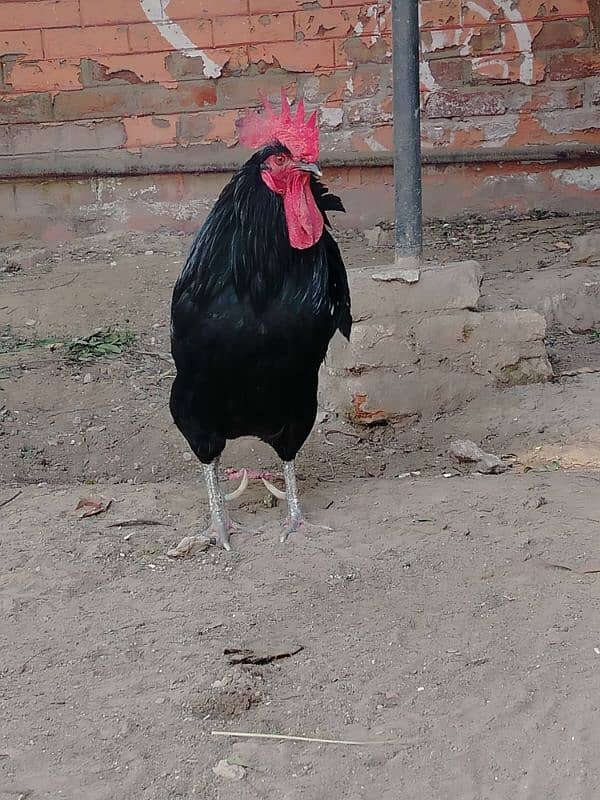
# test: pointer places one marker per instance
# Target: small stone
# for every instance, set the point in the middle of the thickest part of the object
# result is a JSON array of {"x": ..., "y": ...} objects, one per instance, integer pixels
[
  {"x": 231, "y": 772},
  {"x": 149, "y": 252},
  {"x": 464, "y": 450},
  {"x": 30, "y": 323},
  {"x": 491, "y": 465},
  {"x": 187, "y": 456},
  {"x": 87, "y": 378}
]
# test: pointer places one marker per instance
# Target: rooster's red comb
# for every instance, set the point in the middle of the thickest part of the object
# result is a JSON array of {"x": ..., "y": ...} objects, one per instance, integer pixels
[{"x": 299, "y": 135}]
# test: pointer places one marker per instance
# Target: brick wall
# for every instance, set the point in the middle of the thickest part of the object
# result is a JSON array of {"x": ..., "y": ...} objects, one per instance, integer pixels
[{"x": 92, "y": 87}]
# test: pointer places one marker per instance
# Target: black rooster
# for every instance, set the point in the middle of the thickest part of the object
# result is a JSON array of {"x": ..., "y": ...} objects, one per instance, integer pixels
[{"x": 262, "y": 292}]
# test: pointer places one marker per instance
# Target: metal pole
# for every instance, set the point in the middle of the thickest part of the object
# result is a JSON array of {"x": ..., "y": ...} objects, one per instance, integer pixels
[{"x": 407, "y": 134}]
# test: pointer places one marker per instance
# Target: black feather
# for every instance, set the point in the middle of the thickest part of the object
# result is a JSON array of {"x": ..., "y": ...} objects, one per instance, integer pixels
[{"x": 252, "y": 318}]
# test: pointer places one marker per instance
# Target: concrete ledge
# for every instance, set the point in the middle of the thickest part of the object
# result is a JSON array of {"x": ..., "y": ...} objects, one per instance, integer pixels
[
  {"x": 117, "y": 161},
  {"x": 382, "y": 292}
]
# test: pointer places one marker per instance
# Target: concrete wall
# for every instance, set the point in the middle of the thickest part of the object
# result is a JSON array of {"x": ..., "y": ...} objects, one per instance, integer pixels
[{"x": 155, "y": 86}]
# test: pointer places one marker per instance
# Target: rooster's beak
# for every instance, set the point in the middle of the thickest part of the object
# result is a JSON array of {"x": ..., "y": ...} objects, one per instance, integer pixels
[{"x": 314, "y": 169}]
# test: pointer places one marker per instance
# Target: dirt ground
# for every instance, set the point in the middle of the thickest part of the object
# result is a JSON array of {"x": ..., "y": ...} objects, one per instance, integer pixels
[{"x": 448, "y": 621}]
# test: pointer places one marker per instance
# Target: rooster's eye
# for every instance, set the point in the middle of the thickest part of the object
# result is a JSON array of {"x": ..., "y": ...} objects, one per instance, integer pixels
[{"x": 280, "y": 160}]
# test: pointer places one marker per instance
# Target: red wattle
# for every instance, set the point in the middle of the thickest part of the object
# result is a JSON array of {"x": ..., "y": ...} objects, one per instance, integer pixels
[{"x": 304, "y": 220}]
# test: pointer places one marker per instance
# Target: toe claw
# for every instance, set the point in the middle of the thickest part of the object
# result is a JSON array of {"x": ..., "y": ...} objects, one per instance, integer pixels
[
  {"x": 241, "y": 488},
  {"x": 274, "y": 490}
]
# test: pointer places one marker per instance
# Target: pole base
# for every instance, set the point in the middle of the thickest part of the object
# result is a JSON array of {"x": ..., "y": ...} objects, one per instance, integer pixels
[{"x": 409, "y": 267}]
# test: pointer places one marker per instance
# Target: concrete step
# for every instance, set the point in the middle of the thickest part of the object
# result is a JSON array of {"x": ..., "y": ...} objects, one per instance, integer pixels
[{"x": 420, "y": 349}]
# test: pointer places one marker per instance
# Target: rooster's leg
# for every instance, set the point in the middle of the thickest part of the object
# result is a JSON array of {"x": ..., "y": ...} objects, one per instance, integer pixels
[
  {"x": 221, "y": 525},
  {"x": 295, "y": 517}
]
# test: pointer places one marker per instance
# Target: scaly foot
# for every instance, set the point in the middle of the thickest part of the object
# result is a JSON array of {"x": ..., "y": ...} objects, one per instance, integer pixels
[
  {"x": 292, "y": 524},
  {"x": 217, "y": 534}
]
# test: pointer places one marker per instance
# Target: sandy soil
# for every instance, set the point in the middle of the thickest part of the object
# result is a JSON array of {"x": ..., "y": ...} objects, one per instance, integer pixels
[{"x": 437, "y": 615}]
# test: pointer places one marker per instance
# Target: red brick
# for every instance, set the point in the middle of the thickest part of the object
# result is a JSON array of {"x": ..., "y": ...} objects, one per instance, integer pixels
[
  {"x": 295, "y": 56},
  {"x": 39, "y": 76},
  {"x": 53, "y": 137},
  {"x": 182, "y": 68},
  {"x": 275, "y": 6},
  {"x": 193, "y": 128},
  {"x": 503, "y": 68},
  {"x": 147, "y": 38},
  {"x": 33, "y": 107},
  {"x": 438, "y": 13},
  {"x": 27, "y": 43},
  {"x": 67, "y": 42},
  {"x": 487, "y": 39},
  {"x": 531, "y": 9},
  {"x": 473, "y": 18},
  {"x": 150, "y": 131},
  {"x": 253, "y": 30},
  {"x": 579, "y": 64},
  {"x": 109, "y": 101},
  {"x": 191, "y": 96},
  {"x": 369, "y": 112},
  {"x": 132, "y": 100},
  {"x": 111, "y": 12},
  {"x": 369, "y": 79},
  {"x": 560, "y": 34},
  {"x": 448, "y": 71},
  {"x": 21, "y": 16},
  {"x": 334, "y": 87},
  {"x": 543, "y": 98},
  {"x": 125, "y": 100},
  {"x": 334, "y": 22},
  {"x": 384, "y": 135},
  {"x": 192, "y": 9},
  {"x": 459, "y": 104},
  {"x": 357, "y": 50},
  {"x": 208, "y": 128},
  {"x": 130, "y": 68}
]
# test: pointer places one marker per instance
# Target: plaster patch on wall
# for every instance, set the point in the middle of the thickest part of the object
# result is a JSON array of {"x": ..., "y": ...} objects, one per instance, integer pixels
[{"x": 586, "y": 178}]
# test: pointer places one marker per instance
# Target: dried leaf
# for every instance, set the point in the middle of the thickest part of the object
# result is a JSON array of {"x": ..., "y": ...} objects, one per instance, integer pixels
[
  {"x": 238, "y": 760},
  {"x": 133, "y": 523},
  {"x": 90, "y": 507},
  {"x": 591, "y": 569},
  {"x": 10, "y": 498},
  {"x": 552, "y": 466},
  {"x": 187, "y": 545},
  {"x": 261, "y": 654}
]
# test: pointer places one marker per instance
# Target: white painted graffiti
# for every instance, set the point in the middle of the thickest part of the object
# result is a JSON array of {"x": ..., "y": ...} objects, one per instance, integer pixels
[
  {"x": 519, "y": 31},
  {"x": 156, "y": 12}
]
